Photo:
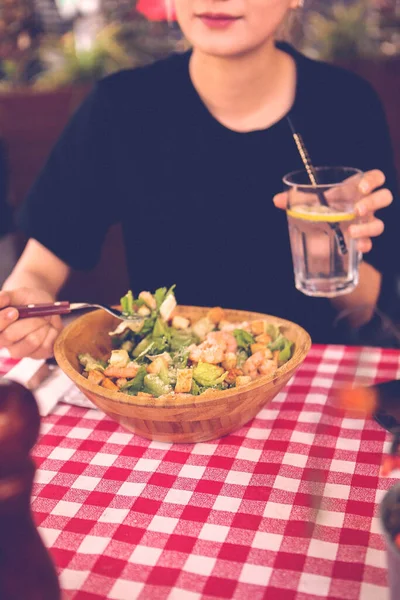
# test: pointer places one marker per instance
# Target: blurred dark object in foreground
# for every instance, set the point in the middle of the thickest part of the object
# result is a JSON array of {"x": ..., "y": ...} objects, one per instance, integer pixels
[{"x": 26, "y": 570}]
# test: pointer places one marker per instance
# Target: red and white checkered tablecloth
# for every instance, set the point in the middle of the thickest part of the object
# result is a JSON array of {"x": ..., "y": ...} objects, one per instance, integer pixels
[{"x": 125, "y": 518}]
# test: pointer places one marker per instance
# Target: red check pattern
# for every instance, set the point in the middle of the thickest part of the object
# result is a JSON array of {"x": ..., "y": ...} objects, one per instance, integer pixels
[{"x": 126, "y": 518}]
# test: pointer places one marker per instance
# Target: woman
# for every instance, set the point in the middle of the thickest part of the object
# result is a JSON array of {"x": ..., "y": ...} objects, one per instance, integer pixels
[{"x": 189, "y": 154}]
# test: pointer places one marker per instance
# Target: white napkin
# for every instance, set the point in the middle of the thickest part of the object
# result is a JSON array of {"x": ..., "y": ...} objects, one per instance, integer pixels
[{"x": 57, "y": 387}]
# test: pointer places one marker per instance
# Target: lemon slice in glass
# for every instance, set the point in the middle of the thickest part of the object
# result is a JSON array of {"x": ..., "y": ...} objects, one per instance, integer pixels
[{"x": 319, "y": 213}]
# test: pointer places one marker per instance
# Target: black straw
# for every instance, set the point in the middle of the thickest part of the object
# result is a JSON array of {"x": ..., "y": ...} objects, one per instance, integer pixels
[{"x": 305, "y": 157}]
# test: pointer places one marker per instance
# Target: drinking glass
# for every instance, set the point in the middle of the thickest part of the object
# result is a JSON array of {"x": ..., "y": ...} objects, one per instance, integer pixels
[{"x": 325, "y": 257}]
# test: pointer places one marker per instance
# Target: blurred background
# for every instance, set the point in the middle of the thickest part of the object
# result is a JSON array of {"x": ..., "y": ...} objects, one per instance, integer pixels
[{"x": 52, "y": 51}]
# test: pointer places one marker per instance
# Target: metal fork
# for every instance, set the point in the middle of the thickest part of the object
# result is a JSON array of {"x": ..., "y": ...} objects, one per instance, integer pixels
[{"x": 64, "y": 308}]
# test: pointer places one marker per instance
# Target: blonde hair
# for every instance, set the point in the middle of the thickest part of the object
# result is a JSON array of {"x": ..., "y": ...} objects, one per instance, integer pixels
[{"x": 291, "y": 30}]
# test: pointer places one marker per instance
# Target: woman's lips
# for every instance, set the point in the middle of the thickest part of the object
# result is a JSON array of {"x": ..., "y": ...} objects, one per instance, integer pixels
[{"x": 217, "y": 21}]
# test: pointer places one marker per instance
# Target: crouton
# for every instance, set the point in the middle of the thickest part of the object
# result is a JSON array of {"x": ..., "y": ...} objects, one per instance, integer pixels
[
  {"x": 232, "y": 375},
  {"x": 180, "y": 322},
  {"x": 95, "y": 377},
  {"x": 108, "y": 384},
  {"x": 258, "y": 327},
  {"x": 263, "y": 338},
  {"x": 242, "y": 380},
  {"x": 216, "y": 315},
  {"x": 157, "y": 364},
  {"x": 257, "y": 348},
  {"x": 184, "y": 379}
]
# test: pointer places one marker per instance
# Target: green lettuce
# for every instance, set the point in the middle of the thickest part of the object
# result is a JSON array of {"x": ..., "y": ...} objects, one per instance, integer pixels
[
  {"x": 156, "y": 386},
  {"x": 244, "y": 340},
  {"x": 127, "y": 303},
  {"x": 207, "y": 375},
  {"x": 137, "y": 384},
  {"x": 181, "y": 338},
  {"x": 161, "y": 294}
]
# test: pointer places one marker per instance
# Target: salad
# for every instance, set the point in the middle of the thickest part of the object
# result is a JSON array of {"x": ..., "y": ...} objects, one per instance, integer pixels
[{"x": 165, "y": 353}]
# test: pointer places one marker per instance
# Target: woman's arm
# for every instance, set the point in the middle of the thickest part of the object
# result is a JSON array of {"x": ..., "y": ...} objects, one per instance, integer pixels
[
  {"x": 372, "y": 150},
  {"x": 38, "y": 268},
  {"x": 381, "y": 259},
  {"x": 361, "y": 303}
]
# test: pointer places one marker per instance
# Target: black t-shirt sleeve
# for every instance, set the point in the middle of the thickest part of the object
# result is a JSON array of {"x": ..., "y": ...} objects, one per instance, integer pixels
[
  {"x": 70, "y": 206},
  {"x": 375, "y": 147}
]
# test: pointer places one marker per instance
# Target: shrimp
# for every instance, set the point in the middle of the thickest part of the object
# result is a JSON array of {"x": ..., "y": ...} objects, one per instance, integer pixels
[
  {"x": 223, "y": 338},
  {"x": 216, "y": 348},
  {"x": 259, "y": 364},
  {"x": 230, "y": 361},
  {"x": 207, "y": 352},
  {"x": 127, "y": 372},
  {"x": 268, "y": 367}
]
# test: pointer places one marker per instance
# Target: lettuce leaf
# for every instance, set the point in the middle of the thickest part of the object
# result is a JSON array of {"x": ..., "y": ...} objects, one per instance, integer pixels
[
  {"x": 181, "y": 338},
  {"x": 156, "y": 386},
  {"x": 180, "y": 359},
  {"x": 273, "y": 331},
  {"x": 286, "y": 352},
  {"x": 127, "y": 303},
  {"x": 161, "y": 294},
  {"x": 160, "y": 329},
  {"x": 208, "y": 375},
  {"x": 137, "y": 384},
  {"x": 244, "y": 340}
]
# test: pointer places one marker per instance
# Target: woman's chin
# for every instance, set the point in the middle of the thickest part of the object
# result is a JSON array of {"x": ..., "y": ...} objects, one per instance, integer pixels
[
  {"x": 222, "y": 48},
  {"x": 224, "y": 44}
]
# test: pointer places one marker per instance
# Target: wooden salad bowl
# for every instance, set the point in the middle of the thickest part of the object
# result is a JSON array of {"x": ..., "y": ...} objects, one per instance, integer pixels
[{"x": 181, "y": 418}]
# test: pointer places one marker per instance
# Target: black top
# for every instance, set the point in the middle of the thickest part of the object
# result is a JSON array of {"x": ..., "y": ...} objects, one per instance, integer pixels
[
  {"x": 5, "y": 208},
  {"x": 194, "y": 197}
]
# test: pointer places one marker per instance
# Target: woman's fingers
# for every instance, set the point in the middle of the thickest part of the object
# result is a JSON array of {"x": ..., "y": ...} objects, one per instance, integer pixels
[
  {"x": 46, "y": 348},
  {"x": 364, "y": 245},
  {"x": 7, "y": 317},
  {"x": 373, "y": 228},
  {"x": 30, "y": 344},
  {"x": 280, "y": 200},
  {"x": 20, "y": 329},
  {"x": 374, "y": 202},
  {"x": 371, "y": 181}
]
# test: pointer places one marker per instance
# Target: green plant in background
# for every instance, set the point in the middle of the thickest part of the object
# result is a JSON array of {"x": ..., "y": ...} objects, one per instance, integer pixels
[
  {"x": 67, "y": 64},
  {"x": 113, "y": 37},
  {"x": 341, "y": 34},
  {"x": 130, "y": 33},
  {"x": 115, "y": 47}
]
